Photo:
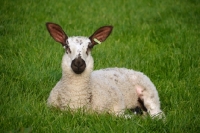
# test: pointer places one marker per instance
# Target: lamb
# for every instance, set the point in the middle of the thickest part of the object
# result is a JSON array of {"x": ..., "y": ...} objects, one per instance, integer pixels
[{"x": 107, "y": 90}]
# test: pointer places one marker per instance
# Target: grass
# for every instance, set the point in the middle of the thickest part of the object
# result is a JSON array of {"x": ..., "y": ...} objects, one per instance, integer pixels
[{"x": 158, "y": 37}]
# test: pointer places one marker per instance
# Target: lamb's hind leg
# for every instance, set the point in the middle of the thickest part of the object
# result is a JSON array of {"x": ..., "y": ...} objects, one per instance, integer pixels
[{"x": 150, "y": 99}]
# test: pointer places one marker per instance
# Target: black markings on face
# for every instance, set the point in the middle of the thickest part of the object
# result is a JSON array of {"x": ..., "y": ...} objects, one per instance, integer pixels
[
  {"x": 67, "y": 47},
  {"x": 89, "y": 48},
  {"x": 79, "y": 41}
]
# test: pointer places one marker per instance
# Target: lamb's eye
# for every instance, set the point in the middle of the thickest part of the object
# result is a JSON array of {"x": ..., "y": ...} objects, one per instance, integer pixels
[
  {"x": 90, "y": 45},
  {"x": 67, "y": 49},
  {"x": 88, "y": 50}
]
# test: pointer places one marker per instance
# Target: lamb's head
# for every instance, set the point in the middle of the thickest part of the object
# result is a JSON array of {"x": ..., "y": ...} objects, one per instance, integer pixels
[{"x": 78, "y": 48}]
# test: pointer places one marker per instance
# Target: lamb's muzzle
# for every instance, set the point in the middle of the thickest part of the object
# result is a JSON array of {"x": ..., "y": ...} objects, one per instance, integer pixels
[{"x": 78, "y": 65}]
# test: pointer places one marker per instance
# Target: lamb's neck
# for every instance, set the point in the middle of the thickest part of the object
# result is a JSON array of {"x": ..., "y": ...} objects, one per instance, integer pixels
[
  {"x": 76, "y": 82},
  {"x": 76, "y": 89}
]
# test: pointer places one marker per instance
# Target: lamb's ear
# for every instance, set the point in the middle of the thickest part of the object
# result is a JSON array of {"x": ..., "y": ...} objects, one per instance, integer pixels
[
  {"x": 100, "y": 35},
  {"x": 57, "y": 33}
]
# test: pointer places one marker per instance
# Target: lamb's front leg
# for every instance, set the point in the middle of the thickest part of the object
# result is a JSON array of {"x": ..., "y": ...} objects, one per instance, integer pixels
[
  {"x": 150, "y": 99},
  {"x": 53, "y": 99}
]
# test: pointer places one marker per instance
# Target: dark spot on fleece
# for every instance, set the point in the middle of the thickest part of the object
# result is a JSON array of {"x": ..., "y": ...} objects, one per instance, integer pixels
[
  {"x": 107, "y": 69},
  {"x": 90, "y": 98},
  {"x": 116, "y": 75},
  {"x": 152, "y": 96}
]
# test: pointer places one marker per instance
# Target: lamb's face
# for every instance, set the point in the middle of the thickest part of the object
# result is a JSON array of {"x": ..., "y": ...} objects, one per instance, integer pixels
[
  {"x": 78, "y": 51},
  {"x": 77, "y": 55}
]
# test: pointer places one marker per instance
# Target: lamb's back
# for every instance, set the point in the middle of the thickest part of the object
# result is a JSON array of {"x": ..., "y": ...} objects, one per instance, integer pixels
[{"x": 116, "y": 78}]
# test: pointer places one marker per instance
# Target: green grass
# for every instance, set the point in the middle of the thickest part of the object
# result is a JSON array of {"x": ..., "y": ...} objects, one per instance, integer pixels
[{"x": 158, "y": 37}]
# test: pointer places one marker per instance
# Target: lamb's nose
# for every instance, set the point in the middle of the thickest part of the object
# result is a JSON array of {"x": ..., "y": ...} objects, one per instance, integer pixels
[
  {"x": 78, "y": 65},
  {"x": 78, "y": 62}
]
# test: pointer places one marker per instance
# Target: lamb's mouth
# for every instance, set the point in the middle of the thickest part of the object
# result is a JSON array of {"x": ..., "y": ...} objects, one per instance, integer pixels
[{"x": 78, "y": 65}]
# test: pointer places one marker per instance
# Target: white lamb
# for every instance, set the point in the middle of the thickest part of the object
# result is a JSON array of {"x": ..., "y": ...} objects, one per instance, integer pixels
[{"x": 112, "y": 90}]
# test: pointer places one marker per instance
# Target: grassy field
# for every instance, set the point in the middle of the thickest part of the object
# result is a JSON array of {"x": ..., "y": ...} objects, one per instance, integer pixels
[{"x": 158, "y": 37}]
